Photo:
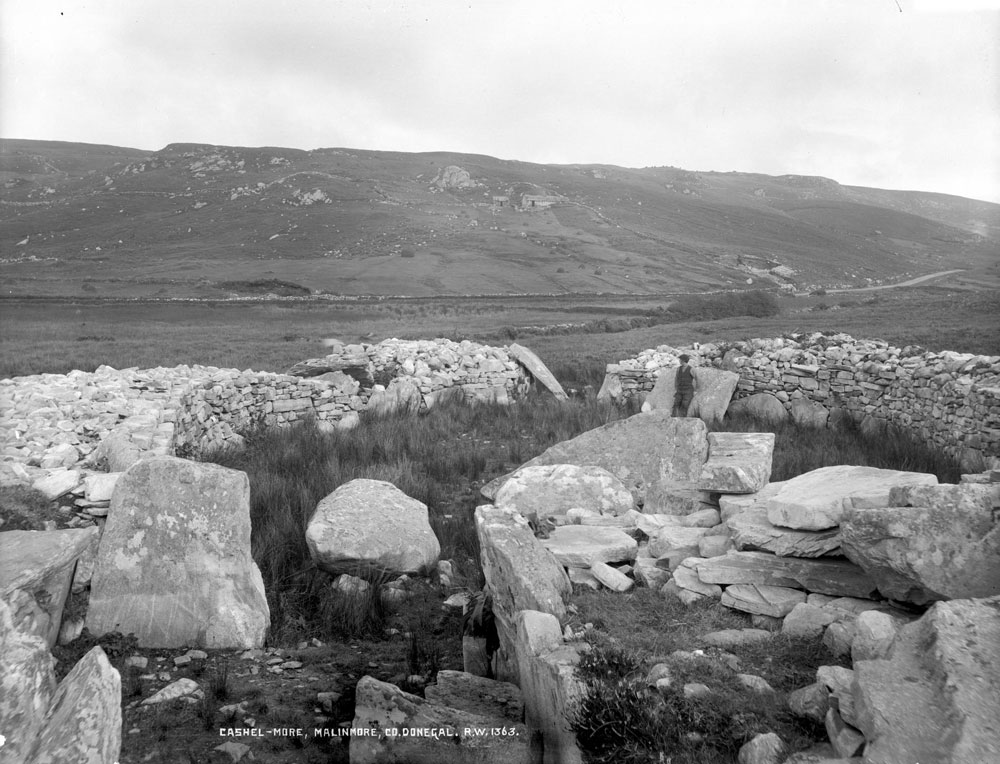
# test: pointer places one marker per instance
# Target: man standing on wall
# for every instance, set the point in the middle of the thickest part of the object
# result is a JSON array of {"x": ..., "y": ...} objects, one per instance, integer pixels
[{"x": 684, "y": 386}]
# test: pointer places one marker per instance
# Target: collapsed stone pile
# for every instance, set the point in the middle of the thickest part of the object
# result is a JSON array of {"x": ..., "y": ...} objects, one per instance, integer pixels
[
  {"x": 951, "y": 400},
  {"x": 846, "y": 555}
]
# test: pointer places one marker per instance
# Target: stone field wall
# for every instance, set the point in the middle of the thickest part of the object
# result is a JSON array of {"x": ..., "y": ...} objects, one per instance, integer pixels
[
  {"x": 57, "y": 421},
  {"x": 951, "y": 400}
]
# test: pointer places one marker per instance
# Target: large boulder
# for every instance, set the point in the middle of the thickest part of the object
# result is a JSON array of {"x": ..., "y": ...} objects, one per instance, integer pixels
[
  {"x": 935, "y": 698},
  {"x": 714, "y": 390},
  {"x": 818, "y": 499},
  {"x": 372, "y": 525},
  {"x": 763, "y": 406},
  {"x": 84, "y": 721},
  {"x": 538, "y": 370},
  {"x": 400, "y": 722},
  {"x": 639, "y": 451},
  {"x": 738, "y": 462},
  {"x": 807, "y": 413},
  {"x": 174, "y": 564},
  {"x": 935, "y": 542},
  {"x": 27, "y": 684},
  {"x": 839, "y": 578},
  {"x": 42, "y": 563},
  {"x": 545, "y": 490}
]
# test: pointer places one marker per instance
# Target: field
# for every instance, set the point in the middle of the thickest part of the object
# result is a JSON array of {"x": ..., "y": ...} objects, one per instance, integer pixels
[{"x": 570, "y": 333}]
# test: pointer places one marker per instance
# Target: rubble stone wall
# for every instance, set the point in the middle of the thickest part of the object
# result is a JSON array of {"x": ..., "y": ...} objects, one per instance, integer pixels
[
  {"x": 951, "y": 400},
  {"x": 213, "y": 411}
]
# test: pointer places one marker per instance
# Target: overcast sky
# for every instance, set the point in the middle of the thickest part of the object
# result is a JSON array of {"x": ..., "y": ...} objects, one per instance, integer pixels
[{"x": 887, "y": 93}]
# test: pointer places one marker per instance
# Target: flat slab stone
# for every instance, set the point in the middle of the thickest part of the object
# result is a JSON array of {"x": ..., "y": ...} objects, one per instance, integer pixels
[
  {"x": 477, "y": 695},
  {"x": 836, "y": 577},
  {"x": 538, "y": 369},
  {"x": 57, "y": 483},
  {"x": 735, "y": 637},
  {"x": 612, "y": 578},
  {"x": 383, "y": 706},
  {"x": 941, "y": 542},
  {"x": 639, "y": 451},
  {"x": 41, "y": 563},
  {"x": 580, "y": 546},
  {"x": 547, "y": 490},
  {"x": 775, "y": 601},
  {"x": 936, "y": 697},
  {"x": 685, "y": 575},
  {"x": 752, "y": 531},
  {"x": 100, "y": 486},
  {"x": 714, "y": 390},
  {"x": 738, "y": 462},
  {"x": 818, "y": 499}
]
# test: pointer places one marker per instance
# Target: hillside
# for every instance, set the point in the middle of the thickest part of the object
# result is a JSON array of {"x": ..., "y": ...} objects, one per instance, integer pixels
[{"x": 210, "y": 221}]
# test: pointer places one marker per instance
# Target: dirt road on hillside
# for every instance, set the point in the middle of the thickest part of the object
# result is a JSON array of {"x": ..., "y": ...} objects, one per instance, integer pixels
[{"x": 911, "y": 282}]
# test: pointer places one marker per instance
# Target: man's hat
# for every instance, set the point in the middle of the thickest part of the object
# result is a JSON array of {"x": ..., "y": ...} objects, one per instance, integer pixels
[{"x": 684, "y": 357}]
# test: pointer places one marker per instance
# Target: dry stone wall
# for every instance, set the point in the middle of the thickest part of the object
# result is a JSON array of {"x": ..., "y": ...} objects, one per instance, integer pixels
[
  {"x": 57, "y": 421},
  {"x": 951, "y": 400}
]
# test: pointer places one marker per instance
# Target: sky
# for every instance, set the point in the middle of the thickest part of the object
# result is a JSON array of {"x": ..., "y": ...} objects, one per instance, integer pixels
[{"x": 901, "y": 94}]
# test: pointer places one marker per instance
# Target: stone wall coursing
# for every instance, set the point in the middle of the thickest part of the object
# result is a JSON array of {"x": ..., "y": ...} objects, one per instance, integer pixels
[
  {"x": 480, "y": 370},
  {"x": 951, "y": 400},
  {"x": 213, "y": 411},
  {"x": 56, "y": 421}
]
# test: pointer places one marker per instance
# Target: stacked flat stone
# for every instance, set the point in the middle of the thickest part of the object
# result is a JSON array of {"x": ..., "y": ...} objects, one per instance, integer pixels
[
  {"x": 951, "y": 400},
  {"x": 213, "y": 410},
  {"x": 480, "y": 370}
]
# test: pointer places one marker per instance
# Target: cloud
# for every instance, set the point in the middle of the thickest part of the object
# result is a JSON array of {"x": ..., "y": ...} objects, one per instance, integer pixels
[{"x": 858, "y": 92}]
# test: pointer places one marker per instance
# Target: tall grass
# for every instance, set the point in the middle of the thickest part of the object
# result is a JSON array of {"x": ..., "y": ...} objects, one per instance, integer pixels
[
  {"x": 441, "y": 458},
  {"x": 799, "y": 449}
]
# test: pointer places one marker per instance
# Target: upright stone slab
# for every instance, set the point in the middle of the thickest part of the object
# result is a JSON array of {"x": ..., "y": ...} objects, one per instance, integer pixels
[
  {"x": 537, "y": 369},
  {"x": 84, "y": 722},
  {"x": 940, "y": 542},
  {"x": 174, "y": 565},
  {"x": 372, "y": 525},
  {"x": 714, "y": 390},
  {"x": 27, "y": 684},
  {"x": 41, "y": 563},
  {"x": 477, "y": 695},
  {"x": 639, "y": 451},
  {"x": 839, "y": 578},
  {"x": 818, "y": 499},
  {"x": 520, "y": 574},
  {"x": 401, "y": 720},
  {"x": 547, "y": 490},
  {"x": 738, "y": 462},
  {"x": 935, "y": 698}
]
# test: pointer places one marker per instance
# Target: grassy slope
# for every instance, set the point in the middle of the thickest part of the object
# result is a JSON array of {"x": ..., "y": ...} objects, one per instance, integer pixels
[{"x": 175, "y": 222}]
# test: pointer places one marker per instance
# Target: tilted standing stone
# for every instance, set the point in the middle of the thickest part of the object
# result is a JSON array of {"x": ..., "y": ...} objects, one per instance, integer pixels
[{"x": 174, "y": 564}]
